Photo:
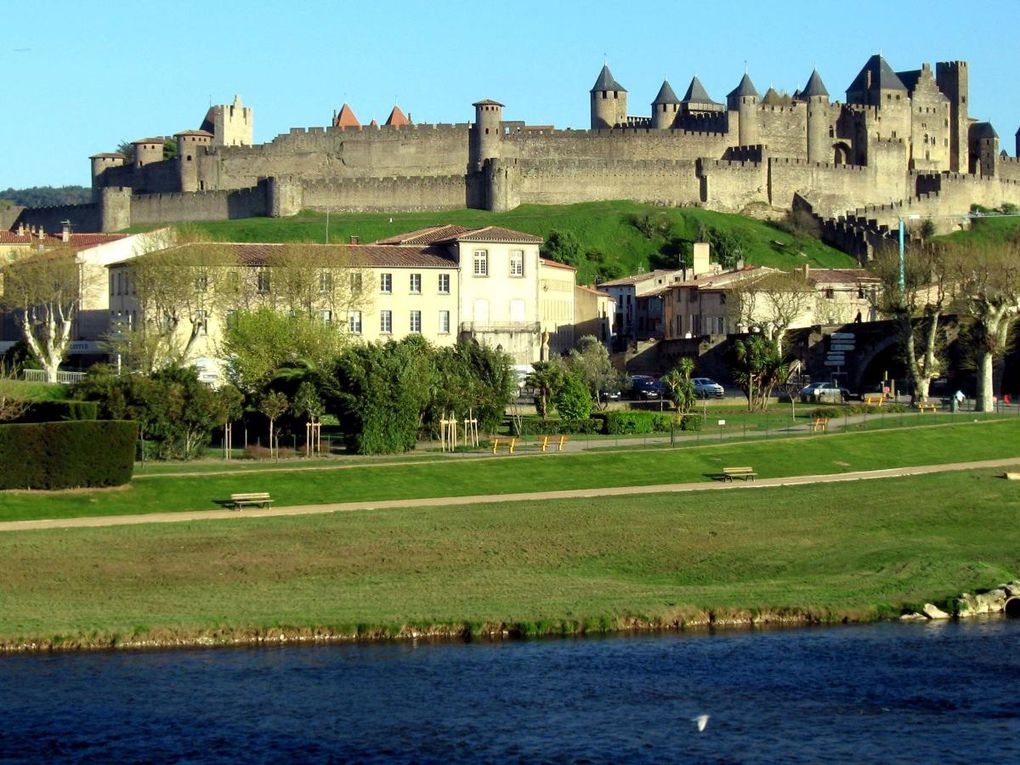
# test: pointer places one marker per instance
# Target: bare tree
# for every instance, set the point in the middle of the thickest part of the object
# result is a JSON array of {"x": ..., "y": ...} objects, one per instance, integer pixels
[
  {"x": 917, "y": 308},
  {"x": 45, "y": 293},
  {"x": 988, "y": 291},
  {"x": 771, "y": 302}
]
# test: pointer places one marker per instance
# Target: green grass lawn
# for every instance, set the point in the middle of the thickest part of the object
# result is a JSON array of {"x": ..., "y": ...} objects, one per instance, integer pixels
[
  {"x": 37, "y": 391},
  {"x": 603, "y": 226},
  {"x": 858, "y": 550},
  {"x": 456, "y": 476}
]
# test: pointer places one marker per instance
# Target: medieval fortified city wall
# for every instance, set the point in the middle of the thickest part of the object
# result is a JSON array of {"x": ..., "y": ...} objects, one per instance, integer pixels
[{"x": 901, "y": 144}]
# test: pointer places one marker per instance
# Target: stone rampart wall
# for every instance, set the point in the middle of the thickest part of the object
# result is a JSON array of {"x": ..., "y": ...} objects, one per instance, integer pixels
[
  {"x": 619, "y": 144},
  {"x": 84, "y": 218},
  {"x": 732, "y": 186},
  {"x": 202, "y": 205},
  {"x": 783, "y": 129},
  {"x": 447, "y": 192},
  {"x": 326, "y": 153},
  {"x": 830, "y": 188},
  {"x": 567, "y": 181}
]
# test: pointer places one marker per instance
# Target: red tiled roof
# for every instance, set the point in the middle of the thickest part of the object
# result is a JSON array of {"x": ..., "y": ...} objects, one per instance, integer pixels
[
  {"x": 356, "y": 255},
  {"x": 81, "y": 241},
  {"x": 498, "y": 234},
  {"x": 397, "y": 118},
  {"x": 556, "y": 264},
  {"x": 148, "y": 140},
  {"x": 429, "y": 235},
  {"x": 202, "y": 133},
  {"x": 635, "y": 278},
  {"x": 842, "y": 275},
  {"x": 346, "y": 118}
]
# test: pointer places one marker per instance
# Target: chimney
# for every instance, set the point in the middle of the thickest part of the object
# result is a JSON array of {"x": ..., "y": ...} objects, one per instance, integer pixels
[
  {"x": 65, "y": 231},
  {"x": 21, "y": 229},
  {"x": 355, "y": 239},
  {"x": 700, "y": 259},
  {"x": 807, "y": 271}
]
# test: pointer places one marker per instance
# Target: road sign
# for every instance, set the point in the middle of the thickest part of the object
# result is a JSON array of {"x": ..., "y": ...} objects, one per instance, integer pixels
[
  {"x": 842, "y": 335},
  {"x": 834, "y": 362},
  {"x": 841, "y": 347}
]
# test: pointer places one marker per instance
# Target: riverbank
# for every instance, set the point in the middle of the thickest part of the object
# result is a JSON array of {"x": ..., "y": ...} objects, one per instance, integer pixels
[{"x": 812, "y": 554}]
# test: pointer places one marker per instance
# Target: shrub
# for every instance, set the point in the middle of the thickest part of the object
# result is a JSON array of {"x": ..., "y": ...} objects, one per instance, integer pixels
[
  {"x": 66, "y": 455},
  {"x": 536, "y": 426},
  {"x": 691, "y": 423},
  {"x": 573, "y": 400},
  {"x": 59, "y": 411},
  {"x": 623, "y": 423},
  {"x": 824, "y": 412}
]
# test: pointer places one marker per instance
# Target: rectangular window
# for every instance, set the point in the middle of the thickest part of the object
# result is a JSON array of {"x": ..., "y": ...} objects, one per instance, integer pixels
[
  {"x": 326, "y": 315},
  {"x": 355, "y": 321},
  {"x": 481, "y": 263},
  {"x": 386, "y": 283},
  {"x": 263, "y": 281},
  {"x": 325, "y": 282},
  {"x": 444, "y": 284},
  {"x": 516, "y": 262},
  {"x": 415, "y": 284},
  {"x": 356, "y": 283},
  {"x": 444, "y": 322},
  {"x": 386, "y": 322},
  {"x": 202, "y": 283},
  {"x": 416, "y": 321},
  {"x": 830, "y": 293}
]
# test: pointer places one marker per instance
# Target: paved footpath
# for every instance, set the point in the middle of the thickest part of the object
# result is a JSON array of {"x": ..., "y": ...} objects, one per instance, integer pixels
[{"x": 613, "y": 491}]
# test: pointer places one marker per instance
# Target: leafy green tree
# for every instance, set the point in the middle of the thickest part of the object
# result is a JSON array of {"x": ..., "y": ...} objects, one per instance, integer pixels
[
  {"x": 590, "y": 361},
  {"x": 573, "y": 401},
  {"x": 563, "y": 247},
  {"x": 680, "y": 386},
  {"x": 273, "y": 405},
  {"x": 257, "y": 344},
  {"x": 758, "y": 367},
  {"x": 545, "y": 380}
]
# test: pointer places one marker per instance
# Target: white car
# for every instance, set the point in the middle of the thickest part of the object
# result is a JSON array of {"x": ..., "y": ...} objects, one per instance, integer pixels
[
  {"x": 705, "y": 387},
  {"x": 823, "y": 391}
]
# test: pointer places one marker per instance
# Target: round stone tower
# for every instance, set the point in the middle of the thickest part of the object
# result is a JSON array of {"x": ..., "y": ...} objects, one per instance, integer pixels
[
  {"x": 743, "y": 100},
  {"x": 665, "y": 107},
  {"x": 191, "y": 143},
  {"x": 817, "y": 97},
  {"x": 608, "y": 102},
  {"x": 100, "y": 164},
  {"x": 486, "y": 133},
  {"x": 147, "y": 151}
]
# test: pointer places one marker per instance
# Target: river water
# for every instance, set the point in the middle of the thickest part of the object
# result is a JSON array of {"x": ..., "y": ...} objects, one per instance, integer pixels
[{"x": 880, "y": 693}]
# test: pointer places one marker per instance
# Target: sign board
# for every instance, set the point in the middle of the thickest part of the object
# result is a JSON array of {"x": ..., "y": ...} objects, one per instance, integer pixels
[
  {"x": 842, "y": 335},
  {"x": 841, "y": 347},
  {"x": 833, "y": 363},
  {"x": 836, "y": 355},
  {"x": 721, "y": 423}
]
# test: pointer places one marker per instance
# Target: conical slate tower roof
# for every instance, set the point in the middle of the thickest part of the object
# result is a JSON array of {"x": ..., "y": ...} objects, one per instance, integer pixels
[
  {"x": 696, "y": 93},
  {"x": 666, "y": 95},
  {"x": 875, "y": 76},
  {"x": 814, "y": 87},
  {"x": 981, "y": 130},
  {"x": 745, "y": 88},
  {"x": 606, "y": 81}
]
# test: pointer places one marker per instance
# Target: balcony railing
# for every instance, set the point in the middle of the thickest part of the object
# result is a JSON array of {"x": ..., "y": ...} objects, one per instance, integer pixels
[
  {"x": 500, "y": 327},
  {"x": 66, "y": 378}
]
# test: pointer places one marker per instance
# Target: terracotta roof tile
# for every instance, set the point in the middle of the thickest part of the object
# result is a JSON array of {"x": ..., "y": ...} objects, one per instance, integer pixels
[
  {"x": 429, "y": 235},
  {"x": 397, "y": 118},
  {"x": 556, "y": 264},
  {"x": 346, "y": 118},
  {"x": 498, "y": 234},
  {"x": 357, "y": 255}
]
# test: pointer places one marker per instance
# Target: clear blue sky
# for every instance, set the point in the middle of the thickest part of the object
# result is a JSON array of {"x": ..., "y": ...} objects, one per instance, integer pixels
[{"x": 80, "y": 76}]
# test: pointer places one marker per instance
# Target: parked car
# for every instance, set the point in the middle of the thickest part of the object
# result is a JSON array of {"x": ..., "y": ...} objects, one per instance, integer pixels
[
  {"x": 823, "y": 392},
  {"x": 645, "y": 387},
  {"x": 705, "y": 387}
]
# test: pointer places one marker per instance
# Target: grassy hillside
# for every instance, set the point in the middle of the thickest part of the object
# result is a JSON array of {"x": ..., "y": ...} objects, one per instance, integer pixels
[
  {"x": 615, "y": 238},
  {"x": 988, "y": 231}
]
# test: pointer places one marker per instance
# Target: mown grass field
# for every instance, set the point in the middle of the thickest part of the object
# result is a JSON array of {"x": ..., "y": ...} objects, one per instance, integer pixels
[
  {"x": 525, "y": 472},
  {"x": 603, "y": 226},
  {"x": 856, "y": 550}
]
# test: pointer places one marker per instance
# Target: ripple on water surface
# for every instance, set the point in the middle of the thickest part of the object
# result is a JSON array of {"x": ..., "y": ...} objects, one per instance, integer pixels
[{"x": 882, "y": 693}]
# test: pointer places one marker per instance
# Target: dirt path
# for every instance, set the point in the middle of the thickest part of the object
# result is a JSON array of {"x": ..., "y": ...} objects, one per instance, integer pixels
[{"x": 615, "y": 491}]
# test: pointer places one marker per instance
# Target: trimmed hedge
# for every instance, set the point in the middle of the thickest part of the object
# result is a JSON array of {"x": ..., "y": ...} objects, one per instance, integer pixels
[
  {"x": 67, "y": 455},
  {"x": 59, "y": 411},
  {"x": 623, "y": 423},
  {"x": 536, "y": 426}
]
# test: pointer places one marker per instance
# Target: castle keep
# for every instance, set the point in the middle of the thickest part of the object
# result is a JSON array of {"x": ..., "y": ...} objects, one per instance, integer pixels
[{"x": 901, "y": 144}]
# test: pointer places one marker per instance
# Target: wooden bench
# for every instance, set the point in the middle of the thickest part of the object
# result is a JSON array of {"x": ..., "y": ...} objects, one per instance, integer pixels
[
  {"x": 874, "y": 399},
  {"x": 820, "y": 424},
  {"x": 743, "y": 473},
  {"x": 253, "y": 498},
  {"x": 511, "y": 444},
  {"x": 926, "y": 406},
  {"x": 556, "y": 441}
]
